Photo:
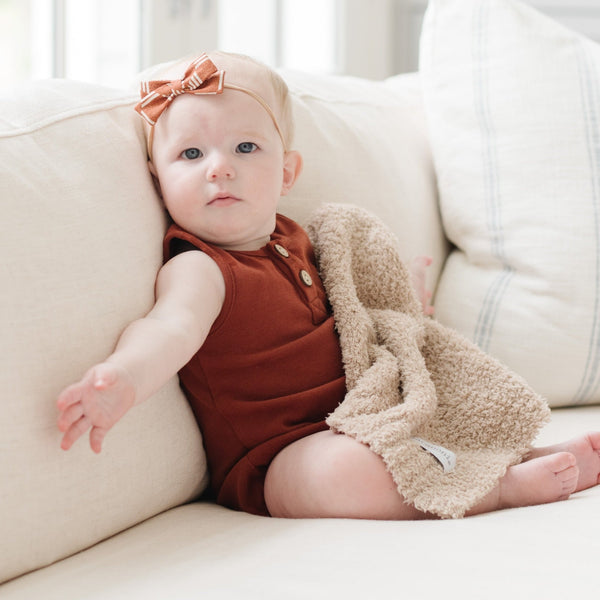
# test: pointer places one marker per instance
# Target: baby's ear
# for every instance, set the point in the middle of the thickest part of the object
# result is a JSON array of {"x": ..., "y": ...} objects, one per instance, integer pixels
[
  {"x": 292, "y": 167},
  {"x": 155, "y": 181}
]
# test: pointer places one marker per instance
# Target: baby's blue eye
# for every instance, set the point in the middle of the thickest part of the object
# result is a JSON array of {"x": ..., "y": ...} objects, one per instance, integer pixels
[
  {"x": 246, "y": 147},
  {"x": 191, "y": 153}
]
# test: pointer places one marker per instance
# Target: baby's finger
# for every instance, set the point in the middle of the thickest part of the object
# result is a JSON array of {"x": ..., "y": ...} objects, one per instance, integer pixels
[
  {"x": 72, "y": 394},
  {"x": 420, "y": 263},
  {"x": 69, "y": 416},
  {"x": 97, "y": 435},
  {"x": 75, "y": 432},
  {"x": 69, "y": 396}
]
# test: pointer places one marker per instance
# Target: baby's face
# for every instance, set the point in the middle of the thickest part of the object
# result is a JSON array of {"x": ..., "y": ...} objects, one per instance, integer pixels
[{"x": 221, "y": 167}]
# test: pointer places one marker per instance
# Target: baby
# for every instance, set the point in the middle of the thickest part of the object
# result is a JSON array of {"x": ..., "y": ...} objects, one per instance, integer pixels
[{"x": 242, "y": 315}]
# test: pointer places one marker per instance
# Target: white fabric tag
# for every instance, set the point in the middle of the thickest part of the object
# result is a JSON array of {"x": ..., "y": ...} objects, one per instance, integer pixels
[{"x": 445, "y": 457}]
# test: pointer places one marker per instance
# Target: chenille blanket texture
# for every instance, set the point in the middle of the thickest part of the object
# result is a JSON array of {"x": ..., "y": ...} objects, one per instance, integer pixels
[{"x": 410, "y": 377}]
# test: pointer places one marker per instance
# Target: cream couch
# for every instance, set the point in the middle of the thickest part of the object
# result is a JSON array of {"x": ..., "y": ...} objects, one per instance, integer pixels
[{"x": 81, "y": 244}]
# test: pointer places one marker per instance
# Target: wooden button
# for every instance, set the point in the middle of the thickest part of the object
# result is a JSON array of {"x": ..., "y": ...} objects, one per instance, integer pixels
[
  {"x": 306, "y": 278},
  {"x": 279, "y": 248}
]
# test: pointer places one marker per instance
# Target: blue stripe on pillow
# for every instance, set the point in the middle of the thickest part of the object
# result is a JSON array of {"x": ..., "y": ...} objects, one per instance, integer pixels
[
  {"x": 490, "y": 307},
  {"x": 590, "y": 100},
  {"x": 491, "y": 193}
]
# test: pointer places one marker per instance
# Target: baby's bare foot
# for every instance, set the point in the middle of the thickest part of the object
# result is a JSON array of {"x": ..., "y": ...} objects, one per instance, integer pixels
[
  {"x": 586, "y": 450},
  {"x": 539, "y": 480}
]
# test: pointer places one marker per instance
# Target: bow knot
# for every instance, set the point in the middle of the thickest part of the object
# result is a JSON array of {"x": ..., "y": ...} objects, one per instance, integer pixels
[{"x": 201, "y": 77}]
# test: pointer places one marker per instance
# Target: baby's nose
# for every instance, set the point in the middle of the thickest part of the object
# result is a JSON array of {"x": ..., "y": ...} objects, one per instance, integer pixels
[{"x": 220, "y": 168}]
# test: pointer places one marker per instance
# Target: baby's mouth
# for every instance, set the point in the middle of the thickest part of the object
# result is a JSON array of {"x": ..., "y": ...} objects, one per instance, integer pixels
[{"x": 223, "y": 199}]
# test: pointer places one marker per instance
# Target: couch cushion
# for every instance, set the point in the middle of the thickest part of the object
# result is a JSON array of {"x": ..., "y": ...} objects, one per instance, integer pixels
[
  {"x": 365, "y": 143},
  {"x": 81, "y": 244},
  {"x": 513, "y": 104}
]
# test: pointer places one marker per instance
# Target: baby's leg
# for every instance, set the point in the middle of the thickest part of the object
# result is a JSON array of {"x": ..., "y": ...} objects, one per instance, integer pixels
[
  {"x": 587, "y": 452},
  {"x": 333, "y": 475}
]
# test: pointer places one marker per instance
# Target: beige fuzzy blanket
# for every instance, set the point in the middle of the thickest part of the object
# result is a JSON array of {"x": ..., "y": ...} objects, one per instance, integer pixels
[{"x": 412, "y": 381}]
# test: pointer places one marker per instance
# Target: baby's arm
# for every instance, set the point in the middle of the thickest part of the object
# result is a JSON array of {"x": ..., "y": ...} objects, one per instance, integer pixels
[{"x": 189, "y": 295}]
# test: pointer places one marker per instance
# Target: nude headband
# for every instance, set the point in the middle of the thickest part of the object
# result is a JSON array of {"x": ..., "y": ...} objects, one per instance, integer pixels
[{"x": 201, "y": 77}]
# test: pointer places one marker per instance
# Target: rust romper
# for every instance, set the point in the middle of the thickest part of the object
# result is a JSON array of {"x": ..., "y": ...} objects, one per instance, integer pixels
[{"x": 270, "y": 370}]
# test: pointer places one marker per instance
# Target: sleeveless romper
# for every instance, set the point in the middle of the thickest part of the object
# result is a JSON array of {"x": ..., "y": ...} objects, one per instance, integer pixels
[{"x": 270, "y": 370}]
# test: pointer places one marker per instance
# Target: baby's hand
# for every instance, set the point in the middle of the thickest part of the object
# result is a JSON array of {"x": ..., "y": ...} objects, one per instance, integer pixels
[
  {"x": 417, "y": 272},
  {"x": 95, "y": 403}
]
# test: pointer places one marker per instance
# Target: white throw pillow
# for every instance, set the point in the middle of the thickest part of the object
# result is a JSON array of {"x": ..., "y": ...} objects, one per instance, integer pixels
[{"x": 513, "y": 104}]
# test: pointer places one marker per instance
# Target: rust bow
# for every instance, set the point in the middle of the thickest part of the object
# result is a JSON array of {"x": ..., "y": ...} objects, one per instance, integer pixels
[{"x": 201, "y": 77}]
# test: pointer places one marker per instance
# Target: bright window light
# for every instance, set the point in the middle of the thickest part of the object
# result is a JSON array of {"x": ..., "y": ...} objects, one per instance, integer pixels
[
  {"x": 89, "y": 40},
  {"x": 309, "y": 41},
  {"x": 249, "y": 28},
  {"x": 102, "y": 40},
  {"x": 282, "y": 33},
  {"x": 15, "y": 26}
]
